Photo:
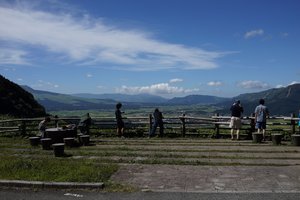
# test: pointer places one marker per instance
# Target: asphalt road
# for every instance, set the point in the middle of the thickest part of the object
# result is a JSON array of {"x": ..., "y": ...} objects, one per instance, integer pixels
[{"x": 24, "y": 194}]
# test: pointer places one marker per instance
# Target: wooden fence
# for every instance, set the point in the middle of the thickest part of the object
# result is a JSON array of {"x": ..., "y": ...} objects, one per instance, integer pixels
[{"x": 215, "y": 126}]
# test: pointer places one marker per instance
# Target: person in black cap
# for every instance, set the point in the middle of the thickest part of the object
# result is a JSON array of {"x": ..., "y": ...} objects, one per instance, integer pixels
[
  {"x": 120, "y": 122},
  {"x": 235, "y": 121}
]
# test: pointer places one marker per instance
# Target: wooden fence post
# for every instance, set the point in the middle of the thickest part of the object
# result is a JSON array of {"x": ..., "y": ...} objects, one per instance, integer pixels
[
  {"x": 252, "y": 123},
  {"x": 293, "y": 123},
  {"x": 22, "y": 128},
  {"x": 217, "y": 128},
  {"x": 183, "y": 125}
]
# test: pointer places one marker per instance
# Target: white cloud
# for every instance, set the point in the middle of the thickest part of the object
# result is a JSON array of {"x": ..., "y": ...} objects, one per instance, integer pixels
[
  {"x": 253, "y": 85},
  {"x": 159, "y": 88},
  {"x": 214, "y": 83},
  {"x": 176, "y": 80},
  {"x": 100, "y": 87},
  {"x": 253, "y": 33},
  {"x": 45, "y": 85},
  {"x": 88, "y": 75},
  {"x": 284, "y": 34},
  {"x": 84, "y": 40},
  {"x": 279, "y": 86},
  {"x": 294, "y": 82},
  {"x": 12, "y": 56}
]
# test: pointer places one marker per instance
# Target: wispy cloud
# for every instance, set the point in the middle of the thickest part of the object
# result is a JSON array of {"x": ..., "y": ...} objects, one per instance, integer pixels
[
  {"x": 12, "y": 56},
  {"x": 214, "y": 83},
  {"x": 294, "y": 82},
  {"x": 253, "y": 85},
  {"x": 284, "y": 35},
  {"x": 282, "y": 86},
  {"x": 85, "y": 40},
  {"x": 253, "y": 33},
  {"x": 89, "y": 75},
  {"x": 176, "y": 80},
  {"x": 159, "y": 89},
  {"x": 45, "y": 85}
]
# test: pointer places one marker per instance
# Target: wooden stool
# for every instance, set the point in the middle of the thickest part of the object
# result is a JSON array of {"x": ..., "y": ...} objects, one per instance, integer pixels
[
  {"x": 46, "y": 143},
  {"x": 257, "y": 137},
  {"x": 276, "y": 139},
  {"x": 59, "y": 149},
  {"x": 295, "y": 139},
  {"x": 34, "y": 141},
  {"x": 85, "y": 139},
  {"x": 69, "y": 142}
]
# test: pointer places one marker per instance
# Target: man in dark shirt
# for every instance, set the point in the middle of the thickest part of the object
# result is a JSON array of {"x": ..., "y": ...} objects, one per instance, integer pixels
[
  {"x": 158, "y": 121},
  {"x": 120, "y": 122},
  {"x": 235, "y": 121}
]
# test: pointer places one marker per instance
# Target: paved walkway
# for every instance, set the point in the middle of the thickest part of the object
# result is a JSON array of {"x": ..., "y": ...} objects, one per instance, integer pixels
[{"x": 174, "y": 178}]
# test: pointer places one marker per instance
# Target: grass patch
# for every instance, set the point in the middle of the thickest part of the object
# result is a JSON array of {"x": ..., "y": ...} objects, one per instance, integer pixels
[{"x": 49, "y": 169}]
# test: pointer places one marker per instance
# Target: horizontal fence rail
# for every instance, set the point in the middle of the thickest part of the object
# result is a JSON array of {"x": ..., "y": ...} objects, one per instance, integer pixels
[{"x": 214, "y": 126}]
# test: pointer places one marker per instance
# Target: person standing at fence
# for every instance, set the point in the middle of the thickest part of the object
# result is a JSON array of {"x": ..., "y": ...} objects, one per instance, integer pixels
[
  {"x": 85, "y": 123},
  {"x": 235, "y": 121},
  {"x": 261, "y": 114},
  {"x": 119, "y": 119},
  {"x": 43, "y": 126},
  {"x": 158, "y": 121}
]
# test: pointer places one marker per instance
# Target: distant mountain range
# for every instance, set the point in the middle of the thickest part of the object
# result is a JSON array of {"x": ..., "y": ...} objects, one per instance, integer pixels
[
  {"x": 197, "y": 99},
  {"x": 281, "y": 101},
  {"x": 138, "y": 98},
  {"x": 55, "y": 101}
]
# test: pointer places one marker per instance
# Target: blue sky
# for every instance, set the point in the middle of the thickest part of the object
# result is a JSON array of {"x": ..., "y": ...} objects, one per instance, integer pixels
[{"x": 162, "y": 47}]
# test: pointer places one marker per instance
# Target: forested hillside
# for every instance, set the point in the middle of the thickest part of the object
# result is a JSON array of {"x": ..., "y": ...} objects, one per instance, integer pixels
[{"x": 15, "y": 101}]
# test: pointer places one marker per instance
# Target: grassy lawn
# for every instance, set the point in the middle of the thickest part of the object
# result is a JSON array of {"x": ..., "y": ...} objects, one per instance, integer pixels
[
  {"x": 54, "y": 169},
  {"x": 20, "y": 161},
  {"x": 99, "y": 161}
]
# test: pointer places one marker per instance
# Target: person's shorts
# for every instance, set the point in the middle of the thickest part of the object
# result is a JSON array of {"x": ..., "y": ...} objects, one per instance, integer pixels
[
  {"x": 120, "y": 124},
  {"x": 260, "y": 125},
  {"x": 235, "y": 123}
]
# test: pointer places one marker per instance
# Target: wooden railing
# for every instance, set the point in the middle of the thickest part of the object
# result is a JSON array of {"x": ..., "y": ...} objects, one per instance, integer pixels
[{"x": 215, "y": 126}]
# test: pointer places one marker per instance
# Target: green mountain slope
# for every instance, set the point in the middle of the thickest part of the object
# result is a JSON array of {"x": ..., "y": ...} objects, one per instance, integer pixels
[
  {"x": 55, "y": 101},
  {"x": 281, "y": 101},
  {"x": 15, "y": 101}
]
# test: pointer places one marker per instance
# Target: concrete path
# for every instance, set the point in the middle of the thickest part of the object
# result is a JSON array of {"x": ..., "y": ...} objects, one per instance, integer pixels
[{"x": 236, "y": 179}]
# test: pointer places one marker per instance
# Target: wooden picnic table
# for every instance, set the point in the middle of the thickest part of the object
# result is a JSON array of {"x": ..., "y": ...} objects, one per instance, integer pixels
[{"x": 58, "y": 134}]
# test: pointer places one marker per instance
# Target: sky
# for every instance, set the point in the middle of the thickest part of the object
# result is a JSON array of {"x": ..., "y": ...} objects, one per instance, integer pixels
[{"x": 170, "y": 48}]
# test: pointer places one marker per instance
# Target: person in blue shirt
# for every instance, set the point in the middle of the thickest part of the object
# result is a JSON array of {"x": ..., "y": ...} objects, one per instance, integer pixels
[
  {"x": 299, "y": 120},
  {"x": 261, "y": 114}
]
